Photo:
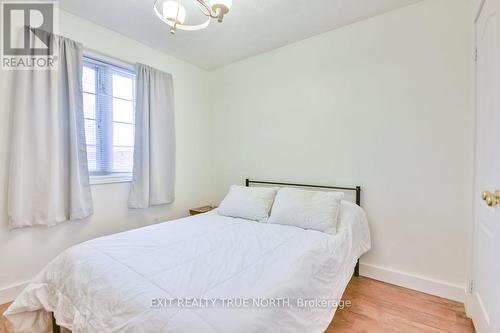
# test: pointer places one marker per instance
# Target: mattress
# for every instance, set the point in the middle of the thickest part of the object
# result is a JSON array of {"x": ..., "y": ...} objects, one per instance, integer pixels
[{"x": 205, "y": 273}]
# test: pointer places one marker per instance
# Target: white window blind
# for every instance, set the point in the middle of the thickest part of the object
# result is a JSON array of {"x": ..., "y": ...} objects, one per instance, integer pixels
[{"x": 108, "y": 102}]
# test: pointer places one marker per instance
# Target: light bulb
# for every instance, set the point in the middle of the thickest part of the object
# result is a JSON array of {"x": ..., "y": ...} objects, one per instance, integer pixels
[
  {"x": 221, "y": 8},
  {"x": 170, "y": 9}
]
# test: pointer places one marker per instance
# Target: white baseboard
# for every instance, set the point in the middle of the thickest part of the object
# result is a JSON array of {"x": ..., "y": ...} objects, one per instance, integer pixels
[
  {"x": 415, "y": 282},
  {"x": 8, "y": 294}
]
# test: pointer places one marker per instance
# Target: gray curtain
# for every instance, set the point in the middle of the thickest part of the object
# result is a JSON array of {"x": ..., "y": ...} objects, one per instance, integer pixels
[
  {"x": 154, "y": 149},
  {"x": 48, "y": 175}
]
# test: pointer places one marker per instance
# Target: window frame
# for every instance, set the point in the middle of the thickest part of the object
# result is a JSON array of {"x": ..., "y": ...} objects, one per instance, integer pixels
[{"x": 105, "y": 127}]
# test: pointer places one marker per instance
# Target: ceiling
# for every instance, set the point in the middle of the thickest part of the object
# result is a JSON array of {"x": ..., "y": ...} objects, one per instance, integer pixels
[{"x": 250, "y": 28}]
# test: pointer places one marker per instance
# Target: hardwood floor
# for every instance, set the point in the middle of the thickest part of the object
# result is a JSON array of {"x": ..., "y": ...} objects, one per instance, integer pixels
[
  {"x": 4, "y": 324},
  {"x": 385, "y": 308},
  {"x": 381, "y": 307}
]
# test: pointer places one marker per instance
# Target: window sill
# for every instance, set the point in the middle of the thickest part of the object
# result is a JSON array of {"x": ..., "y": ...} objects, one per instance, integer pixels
[{"x": 111, "y": 179}]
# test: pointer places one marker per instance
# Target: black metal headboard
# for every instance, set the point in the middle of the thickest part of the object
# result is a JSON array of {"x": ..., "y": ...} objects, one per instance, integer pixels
[{"x": 356, "y": 189}]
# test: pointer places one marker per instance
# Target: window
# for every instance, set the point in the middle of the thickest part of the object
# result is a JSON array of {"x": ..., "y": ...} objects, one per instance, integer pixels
[{"x": 108, "y": 103}]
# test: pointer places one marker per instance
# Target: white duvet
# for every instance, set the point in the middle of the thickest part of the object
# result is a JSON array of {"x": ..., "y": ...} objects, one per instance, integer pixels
[{"x": 127, "y": 282}]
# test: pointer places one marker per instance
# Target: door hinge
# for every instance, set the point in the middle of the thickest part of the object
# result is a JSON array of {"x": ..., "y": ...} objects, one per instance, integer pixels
[
  {"x": 475, "y": 56},
  {"x": 471, "y": 286}
]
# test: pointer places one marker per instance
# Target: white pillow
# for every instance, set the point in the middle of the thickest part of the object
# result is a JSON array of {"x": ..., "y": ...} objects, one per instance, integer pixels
[
  {"x": 315, "y": 210},
  {"x": 251, "y": 203}
]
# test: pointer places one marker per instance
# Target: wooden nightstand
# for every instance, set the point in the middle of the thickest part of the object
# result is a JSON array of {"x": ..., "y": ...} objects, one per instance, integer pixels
[{"x": 201, "y": 210}]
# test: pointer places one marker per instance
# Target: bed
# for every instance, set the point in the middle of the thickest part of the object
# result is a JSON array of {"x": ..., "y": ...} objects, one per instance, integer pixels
[{"x": 204, "y": 273}]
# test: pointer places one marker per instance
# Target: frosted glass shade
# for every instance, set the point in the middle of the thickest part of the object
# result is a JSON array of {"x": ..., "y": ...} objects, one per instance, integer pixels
[{"x": 170, "y": 9}]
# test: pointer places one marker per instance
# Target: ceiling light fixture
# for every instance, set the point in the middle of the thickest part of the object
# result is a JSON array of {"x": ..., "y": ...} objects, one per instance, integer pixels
[{"x": 173, "y": 13}]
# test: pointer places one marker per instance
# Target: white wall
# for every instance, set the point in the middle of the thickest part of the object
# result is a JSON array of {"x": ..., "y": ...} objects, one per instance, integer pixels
[
  {"x": 23, "y": 253},
  {"x": 386, "y": 104}
]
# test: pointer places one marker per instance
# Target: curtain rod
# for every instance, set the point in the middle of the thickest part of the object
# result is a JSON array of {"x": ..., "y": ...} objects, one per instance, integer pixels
[{"x": 98, "y": 55}]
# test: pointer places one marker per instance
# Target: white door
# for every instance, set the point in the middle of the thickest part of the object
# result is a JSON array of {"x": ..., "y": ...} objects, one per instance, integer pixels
[{"x": 485, "y": 307}]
